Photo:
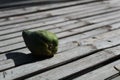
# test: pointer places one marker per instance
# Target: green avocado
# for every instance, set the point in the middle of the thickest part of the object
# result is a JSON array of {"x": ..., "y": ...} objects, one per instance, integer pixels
[{"x": 41, "y": 43}]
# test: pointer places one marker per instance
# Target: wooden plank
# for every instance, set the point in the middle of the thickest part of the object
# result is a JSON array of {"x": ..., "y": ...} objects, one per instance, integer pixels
[
  {"x": 108, "y": 10},
  {"x": 15, "y": 47},
  {"x": 23, "y": 56},
  {"x": 86, "y": 28},
  {"x": 2, "y": 20},
  {"x": 117, "y": 67},
  {"x": 3, "y": 25},
  {"x": 31, "y": 18},
  {"x": 99, "y": 18},
  {"x": 73, "y": 24},
  {"x": 41, "y": 7},
  {"x": 61, "y": 11},
  {"x": 100, "y": 24},
  {"x": 18, "y": 20},
  {"x": 84, "y": 35},
  {"x": 115, "y": 25},
  {"x": 52, "y": 12},
  {"x": 100, "y": 37},
  {"x": 76, "y": 8},
  {"x": 6, "y": 64},
  {"x": 114, "y": 50},
  {"x": 13, "y": 21},
  {"x": 116, "y": 78},
  {"x": 91, "y": 13},
  {"x": 107, "y": 18},
  {"x": 73, "y": 46},
  {"x": 74, "y": 51},
  {"x": 78, "y": 36},
  {"x": 7, "y": 48},
  {"x": 76, "y": 66},
  {"x": 61, "y": 48},
  {"x": 68, "y": 44},
  {"x": 47, "y": 25},
  {"x": 20, "y": 39},
  {"x": 17, "y": 29},
  {"x": 58, "y": 29},
  {"x": 64, "y": 44},
  {"x": 109, "y": 42},
  {"x": 103, "y": 41},
  {"x": 3, "y": 57},
  {"x": 32, "y": 2},
  {"x": 32, "y": 22},
  {"x": 14, "y": 12},
  {"x": 32, "y": 67},
  {"x": 9, "y": 71},
  {"x": 14, "y": 34},
  {"x": 103, "y": 72},
  {"x": 64, "y": 4},
  {"x": 68, "y": 27},
  {"x": 12, "y": 47},
  {"x": 6, "y": 44},
  {"x": 100, "y": 73},
  {"x": 24, "y": 19}
]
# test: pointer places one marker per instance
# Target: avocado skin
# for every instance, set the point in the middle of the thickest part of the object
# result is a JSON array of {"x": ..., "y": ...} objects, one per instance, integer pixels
[{"x": 41, "y": 43}]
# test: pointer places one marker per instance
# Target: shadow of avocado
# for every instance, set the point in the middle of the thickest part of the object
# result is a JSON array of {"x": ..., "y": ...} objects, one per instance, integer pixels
[{"x": 22, "y": 58}]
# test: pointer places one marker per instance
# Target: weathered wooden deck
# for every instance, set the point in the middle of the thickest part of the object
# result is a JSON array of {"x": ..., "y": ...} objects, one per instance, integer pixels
[{"x": 89, "y": 41}]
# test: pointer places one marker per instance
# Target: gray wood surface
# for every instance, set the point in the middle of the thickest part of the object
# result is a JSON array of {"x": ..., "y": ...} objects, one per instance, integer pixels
[
  {"x": 6, "y": 64},
  {"x": 39, "y": 7},
  {"x": 75, "y": 66},
  {"x": 100, "y": 73},
  {"x": 105, "y": 71},
  {"x": 100, "y": 37},
  {"x": 58, "y": 58},
  {"x": 89, "y": 40},
  {"x": 14, "y": 4},
  {"x": 39, "y": 15},
  {"x": 117, "y": 67},
  {"x": 103, "y": 17}
]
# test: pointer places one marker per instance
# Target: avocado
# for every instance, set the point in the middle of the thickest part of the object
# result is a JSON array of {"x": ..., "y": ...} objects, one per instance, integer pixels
[{"x": 41, "y": 43}]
